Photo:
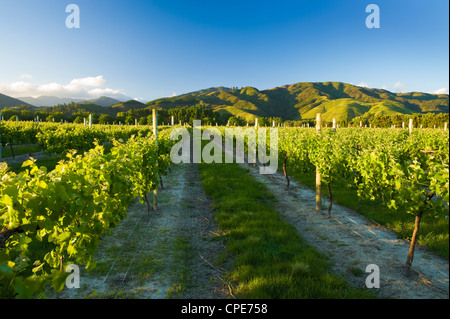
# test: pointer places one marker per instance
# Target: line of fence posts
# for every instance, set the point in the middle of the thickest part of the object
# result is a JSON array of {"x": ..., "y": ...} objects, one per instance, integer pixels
[
  {"x": 318, "y": 130},
  {"x": 318, "y": 182}
]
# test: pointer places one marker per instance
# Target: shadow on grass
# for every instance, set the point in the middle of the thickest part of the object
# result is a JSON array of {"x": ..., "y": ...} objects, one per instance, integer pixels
[
  {"x": 434, "y": 232},
  {"x": 270, "y": 259}
]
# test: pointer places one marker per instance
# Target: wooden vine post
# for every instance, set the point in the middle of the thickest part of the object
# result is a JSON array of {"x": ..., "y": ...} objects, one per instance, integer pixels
[
  {"x": 410, "y": 126},
  {"x": 318, "y": 183},
  {"x": 288, "y": 182},
  {"x": 155, "y": 133},
  {"x": 330, "y": 195}
]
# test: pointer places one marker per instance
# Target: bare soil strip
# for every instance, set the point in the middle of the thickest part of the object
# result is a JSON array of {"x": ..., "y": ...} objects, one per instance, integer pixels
[
  {"x": 353, "y": 242},
  {"x": 170, "y": 255}
]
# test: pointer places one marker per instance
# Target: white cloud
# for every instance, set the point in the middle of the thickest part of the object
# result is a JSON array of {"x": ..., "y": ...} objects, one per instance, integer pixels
[
  {"x": 107, "y": 91},
  {"x": 18, "y": 86},
  {"x": 50, "y": 88},
  {"x": 399, "y": 86},
  {"x": 90, "y": 81},
  {"x": 441, "y": 91},
  {"x": 363, "y": 84},
  {"x": 26, "y": 76},
  {"x": 83, "y": 88}
]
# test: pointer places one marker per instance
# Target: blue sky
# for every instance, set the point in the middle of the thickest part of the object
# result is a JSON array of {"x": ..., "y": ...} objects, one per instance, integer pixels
[{"x": 156, "y": 48}]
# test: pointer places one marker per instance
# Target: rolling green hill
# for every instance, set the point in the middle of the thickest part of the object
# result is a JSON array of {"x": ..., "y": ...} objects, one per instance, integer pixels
[
  {"x": 104, "y": 101},
  {"x": 127, "y": 105},
  {"x": 304, "y": 100},
  {"x": 72, "y": 108},
  {"x": 7, "y": 101},
  {"x": 299, "y": 101}
]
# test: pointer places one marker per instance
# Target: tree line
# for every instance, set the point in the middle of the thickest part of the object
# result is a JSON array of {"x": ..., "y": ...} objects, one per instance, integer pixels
[
  {"x": 426, "y": 120},
  {"x": 77, "y": 113}
]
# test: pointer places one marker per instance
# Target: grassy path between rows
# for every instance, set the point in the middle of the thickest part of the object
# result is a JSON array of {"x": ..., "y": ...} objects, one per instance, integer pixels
[
  {"x": 255, "y": 253},
  {"x": 269, "y": 258},
  {"x": 434, "y": 231},
  {"x": 166, "y": 256}
]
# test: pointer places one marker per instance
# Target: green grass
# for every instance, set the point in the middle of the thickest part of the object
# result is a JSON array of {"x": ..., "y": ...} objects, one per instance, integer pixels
[
  {"x": 20, "y": 150},
  {"x": 269, "y": 258},
  {"x": 181, "y": 270},
  {"x": 433, "y": 233},
  {"x": 49, "y": 162}
]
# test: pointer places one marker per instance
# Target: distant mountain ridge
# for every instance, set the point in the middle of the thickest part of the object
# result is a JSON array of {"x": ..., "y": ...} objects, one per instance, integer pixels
[
  {"x": 47, "y": 101},
  {"x": 305, "y": 99},
  {"x": 299, "y": 101},
  {"x": 101, "y": 105},
  {"x": 104, "y": 101}
]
